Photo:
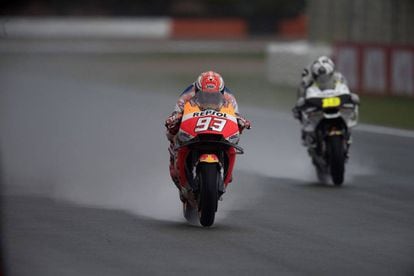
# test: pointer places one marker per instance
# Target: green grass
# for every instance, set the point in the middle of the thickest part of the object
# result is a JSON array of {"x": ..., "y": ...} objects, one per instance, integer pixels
[
  {"x": 255, "y": 90},
  {"x": 156, "y": 72},
  {"x": 395, "y": 112},
  {"x": 388, "y": 111}
]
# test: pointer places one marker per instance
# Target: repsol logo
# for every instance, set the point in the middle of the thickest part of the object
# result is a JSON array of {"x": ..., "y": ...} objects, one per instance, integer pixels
[{"x": 209, "y": 112}]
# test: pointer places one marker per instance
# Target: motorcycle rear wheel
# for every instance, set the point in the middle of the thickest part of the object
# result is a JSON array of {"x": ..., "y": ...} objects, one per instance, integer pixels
[
  {"x": 336, "y": 159},
  {"x": 209, "y": 177}
]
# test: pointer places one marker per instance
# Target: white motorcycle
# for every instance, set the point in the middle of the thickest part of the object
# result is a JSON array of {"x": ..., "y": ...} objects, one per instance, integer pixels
[{"x": 327, "y": 117}]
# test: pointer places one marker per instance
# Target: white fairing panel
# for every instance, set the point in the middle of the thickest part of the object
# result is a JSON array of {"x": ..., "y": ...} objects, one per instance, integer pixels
[
  {"x": 314, "y": 91},
  {"x": 311, "y": 118}
]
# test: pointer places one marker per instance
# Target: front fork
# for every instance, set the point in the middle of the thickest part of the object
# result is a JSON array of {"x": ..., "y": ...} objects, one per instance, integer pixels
[{"x": 213, "y": 159}]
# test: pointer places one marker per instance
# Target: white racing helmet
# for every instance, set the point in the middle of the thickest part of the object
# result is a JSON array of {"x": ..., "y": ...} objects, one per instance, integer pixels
[{"x": 322, "y": 70}]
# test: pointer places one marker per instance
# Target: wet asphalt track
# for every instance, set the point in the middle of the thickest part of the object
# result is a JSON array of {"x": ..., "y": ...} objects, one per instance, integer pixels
[{"x": 87, "y": 189}]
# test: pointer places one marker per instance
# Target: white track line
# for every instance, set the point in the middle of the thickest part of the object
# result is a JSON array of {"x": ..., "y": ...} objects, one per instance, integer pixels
[{"x": 385, "y": 130}]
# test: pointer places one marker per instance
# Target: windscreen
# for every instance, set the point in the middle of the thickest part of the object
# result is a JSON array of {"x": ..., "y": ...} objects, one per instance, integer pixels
[
  {"x": 209, "y": 100},
  {"x": 325, "y": 81}
]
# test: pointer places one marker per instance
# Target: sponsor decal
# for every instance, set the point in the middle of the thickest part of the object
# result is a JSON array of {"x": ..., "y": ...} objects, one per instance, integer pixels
[
  {"x": 331, "y": 102},
  {"x": 209, "y": 112}
]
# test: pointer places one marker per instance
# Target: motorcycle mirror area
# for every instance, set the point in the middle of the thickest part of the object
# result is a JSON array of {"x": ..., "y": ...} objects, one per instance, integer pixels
[{"x": 355, "y": 98}]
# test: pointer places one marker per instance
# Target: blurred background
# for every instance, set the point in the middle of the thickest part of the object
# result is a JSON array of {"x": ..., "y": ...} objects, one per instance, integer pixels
[
  {"x": 85, "y": 87},
  {"x": 371, "y": 41}
]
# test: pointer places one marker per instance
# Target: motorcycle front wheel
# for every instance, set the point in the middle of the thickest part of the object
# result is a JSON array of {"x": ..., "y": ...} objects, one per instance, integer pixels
[
  {"x": 336, "y": 152},
  {"x": 209, "y": 177}
]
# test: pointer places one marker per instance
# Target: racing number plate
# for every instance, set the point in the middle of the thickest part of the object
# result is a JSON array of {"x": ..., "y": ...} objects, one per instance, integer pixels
[{"x": 331, "y": 102}]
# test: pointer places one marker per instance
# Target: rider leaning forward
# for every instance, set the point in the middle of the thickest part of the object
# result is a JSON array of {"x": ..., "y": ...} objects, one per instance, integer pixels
[
  {"x": 321, "y": 73},
  {"x": 207, "y": 82}
]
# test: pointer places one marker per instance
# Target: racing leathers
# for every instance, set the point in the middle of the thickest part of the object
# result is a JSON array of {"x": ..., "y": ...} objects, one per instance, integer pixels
[
  {"x": 323, "y": 82},
  {"x": 172, "y": 123}
]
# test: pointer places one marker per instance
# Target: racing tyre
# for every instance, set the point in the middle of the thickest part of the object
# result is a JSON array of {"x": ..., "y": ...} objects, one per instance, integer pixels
[
  {"x": 336, "y": 159},
  {"x": 209, "y": 177}
]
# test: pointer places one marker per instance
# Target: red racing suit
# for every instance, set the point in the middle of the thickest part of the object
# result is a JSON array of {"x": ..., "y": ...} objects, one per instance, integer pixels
[{"x": 173, "y": 121}]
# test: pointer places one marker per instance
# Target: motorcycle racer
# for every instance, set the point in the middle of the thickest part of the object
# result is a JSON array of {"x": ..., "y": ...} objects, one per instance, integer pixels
[
  {"x": 321, "y": 73},
  {"x": 211, "y": 84},
  {"x": 327, "y": 111}
]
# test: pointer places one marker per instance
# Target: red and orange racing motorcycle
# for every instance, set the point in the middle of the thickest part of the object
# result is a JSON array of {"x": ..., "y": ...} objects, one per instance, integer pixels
[{"x": 205, "y": 152}]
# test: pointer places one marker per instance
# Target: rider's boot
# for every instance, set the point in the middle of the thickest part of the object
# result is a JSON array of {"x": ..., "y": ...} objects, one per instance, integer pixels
[
  {"x": 173, "y": 173},
  {"x": 303, "y": 138},
  {"x": 175, "y": 179},
  {"x": 308, "y": 139},
  {"x": 348, "y": 146}
]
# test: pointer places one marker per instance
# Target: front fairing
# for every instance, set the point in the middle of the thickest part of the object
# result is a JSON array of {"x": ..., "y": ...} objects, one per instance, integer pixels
[
  {"x": 332, "y": 104},
  {"x": 196, "y": 122},
  {"x": 206, "y": 132}
]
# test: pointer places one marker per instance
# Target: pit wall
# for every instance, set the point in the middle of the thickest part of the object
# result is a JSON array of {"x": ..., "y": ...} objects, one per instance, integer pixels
[{"x": 141, "y": 27}]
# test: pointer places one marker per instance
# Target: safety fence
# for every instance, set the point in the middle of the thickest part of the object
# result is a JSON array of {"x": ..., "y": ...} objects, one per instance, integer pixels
[{"x": 377, "y": 69}]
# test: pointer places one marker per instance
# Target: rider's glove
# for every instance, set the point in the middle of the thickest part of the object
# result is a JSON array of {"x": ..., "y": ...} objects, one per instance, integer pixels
[
  {"x": 243, "y": 123},
  {"x": 173, "y": 122}
]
